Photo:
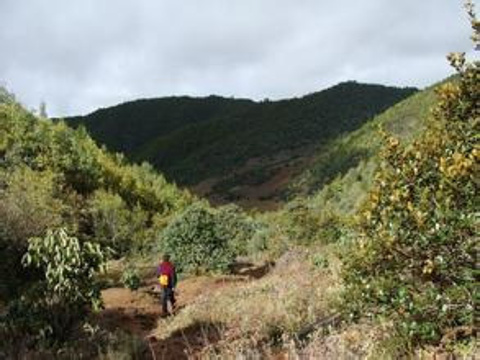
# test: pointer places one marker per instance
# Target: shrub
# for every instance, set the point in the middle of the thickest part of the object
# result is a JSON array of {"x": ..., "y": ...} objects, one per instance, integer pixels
[
  {"x": 301, "y": 223},
  {"x": 197, "y": 241},
  {"x": 66, "y": 289},
  {"x": 236, "y": 226},
  {"x": 28, "y": 206},
  {"x": 415, "y": 258},
  {"x": 114, "y": 224},
  {"x": 131, "y": 279}
]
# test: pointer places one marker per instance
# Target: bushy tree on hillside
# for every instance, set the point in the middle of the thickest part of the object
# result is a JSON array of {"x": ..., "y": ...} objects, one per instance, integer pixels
[
  {"x": 238, "y": 227},
  {"x": 199, "y": 241},
  {"x": 28, "y": 207},
  {"x": 415, "y": 259},
  {"x": 65, "y": 289}
]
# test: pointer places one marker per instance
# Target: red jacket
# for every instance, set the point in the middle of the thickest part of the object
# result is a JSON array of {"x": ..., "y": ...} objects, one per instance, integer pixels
[{"x": 167, "y": 268}]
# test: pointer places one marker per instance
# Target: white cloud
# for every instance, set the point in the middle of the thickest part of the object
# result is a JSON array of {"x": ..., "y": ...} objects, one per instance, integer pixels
[{"x": 80, "y": 55}]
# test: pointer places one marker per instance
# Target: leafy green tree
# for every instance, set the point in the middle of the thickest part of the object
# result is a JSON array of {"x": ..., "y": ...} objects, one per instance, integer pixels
[
  {"x": 197, "y": 242},
  {"x": 28, "y": 204},
  {"x": 66, "y": 288},
  {"x": 415, "y": 259},
  {"x": 236, "y": 226},
  {"x": 6, "y": 96}
]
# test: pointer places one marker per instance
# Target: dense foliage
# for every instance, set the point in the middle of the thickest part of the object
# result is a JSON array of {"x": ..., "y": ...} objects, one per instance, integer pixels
[
  {"x": 66, "y": 205},
  {"x": 64, "y": 291},
  {"x": 192, "y": 139},
  {"x": 205, "y": 239},
  {"x": 69, "y": 267},
  {"x": 415, "y": 258},
  {"x": 52, "y": 175},
  {"x": 131, "y": 279}
]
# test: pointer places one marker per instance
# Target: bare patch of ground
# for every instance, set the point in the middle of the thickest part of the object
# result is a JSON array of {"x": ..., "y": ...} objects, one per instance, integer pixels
[{"x": 138, "y": 312}]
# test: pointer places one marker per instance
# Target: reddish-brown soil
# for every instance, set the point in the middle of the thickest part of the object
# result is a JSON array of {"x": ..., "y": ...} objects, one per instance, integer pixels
[{"x": 137, "y": 313}]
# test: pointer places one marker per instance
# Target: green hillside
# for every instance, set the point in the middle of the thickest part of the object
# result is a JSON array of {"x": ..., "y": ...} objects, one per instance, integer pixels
[
  {"x": 129, "y": 126},
  {"x": 192, "y": 139},
  {"x": 347, "y": 163}
]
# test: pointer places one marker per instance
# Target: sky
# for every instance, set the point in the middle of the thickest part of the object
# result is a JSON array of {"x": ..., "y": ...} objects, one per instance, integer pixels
[{"x": 79, "y": 55}]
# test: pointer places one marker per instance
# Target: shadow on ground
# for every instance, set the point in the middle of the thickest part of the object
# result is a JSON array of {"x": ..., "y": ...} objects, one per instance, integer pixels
[
  {"x": 129, "y": 321},
  {"x": 186, "y": 343},
  {"x": 245, "y": 268}
]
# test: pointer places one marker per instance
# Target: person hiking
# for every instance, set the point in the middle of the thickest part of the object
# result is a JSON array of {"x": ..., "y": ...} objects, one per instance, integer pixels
[{"x": 167, "y": 277}]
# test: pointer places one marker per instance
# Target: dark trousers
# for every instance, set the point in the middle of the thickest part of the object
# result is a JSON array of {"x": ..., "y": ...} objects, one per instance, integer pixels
[{"x": 167, "y": 295}]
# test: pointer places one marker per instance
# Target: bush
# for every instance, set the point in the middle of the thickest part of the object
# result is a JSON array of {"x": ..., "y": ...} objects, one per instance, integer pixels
[
  {"x": 65, "y": 291},
  {"x": 197, "y": 241},
  {"x": 236, "y": 226},
  {"x": 131, "y": 279},
  {"x": 114, "y": 224},
  {"x": 305, "y": 224},
  {"x": 28, "y": 206},
  {"x": 415, "y": 259}
]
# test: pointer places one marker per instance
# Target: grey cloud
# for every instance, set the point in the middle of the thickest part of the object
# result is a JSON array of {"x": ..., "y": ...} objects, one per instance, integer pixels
[{"x": 80, "y": 55}]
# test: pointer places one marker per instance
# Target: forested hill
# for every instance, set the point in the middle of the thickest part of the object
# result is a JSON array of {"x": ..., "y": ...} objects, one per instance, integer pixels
[
  {"x": 128, "y": 126},
  {"x": 193, "y": 139}
]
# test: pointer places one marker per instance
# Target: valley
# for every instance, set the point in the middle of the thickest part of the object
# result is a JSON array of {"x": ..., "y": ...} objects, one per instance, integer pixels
[{"x": 340, "y": 224}]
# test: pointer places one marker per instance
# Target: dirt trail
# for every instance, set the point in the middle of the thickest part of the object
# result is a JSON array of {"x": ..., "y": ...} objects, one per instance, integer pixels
[{"x": 137, "y": 312}]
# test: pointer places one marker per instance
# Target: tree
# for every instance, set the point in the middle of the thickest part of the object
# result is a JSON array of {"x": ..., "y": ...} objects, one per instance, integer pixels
[
  {"x": 197, "y": 242},
  {"x": 66, "y": 288},
  {"x": 114, "y": 224},
  {"x": 415, "y": 258}
]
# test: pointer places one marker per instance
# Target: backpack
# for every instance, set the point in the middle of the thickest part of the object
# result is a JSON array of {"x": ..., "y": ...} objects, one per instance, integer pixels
[{"x": 163, "y": 280}]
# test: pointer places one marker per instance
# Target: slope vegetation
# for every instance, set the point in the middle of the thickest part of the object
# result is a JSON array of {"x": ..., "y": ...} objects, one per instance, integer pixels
[
  {"x": 211, "y": 139},
  {"x": 52, "y": 176},
  {"x": 340, "y": 173}
]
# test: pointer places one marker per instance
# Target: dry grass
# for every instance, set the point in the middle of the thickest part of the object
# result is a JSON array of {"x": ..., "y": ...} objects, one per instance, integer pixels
[
  {"x": 264, "y": 313},
  {"x": 358, "y": 341}
]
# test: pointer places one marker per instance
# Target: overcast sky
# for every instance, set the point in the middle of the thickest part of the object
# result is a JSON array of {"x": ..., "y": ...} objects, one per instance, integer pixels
[{"x": 78, "y": 55}]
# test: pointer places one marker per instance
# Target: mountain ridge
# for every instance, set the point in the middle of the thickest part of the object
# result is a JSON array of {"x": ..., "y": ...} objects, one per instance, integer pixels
[{"x": 192, "y": 140}]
